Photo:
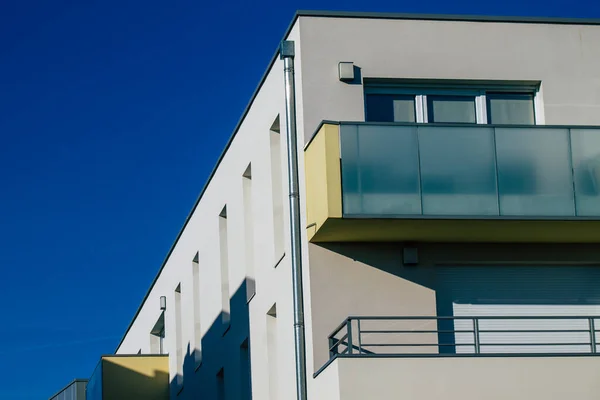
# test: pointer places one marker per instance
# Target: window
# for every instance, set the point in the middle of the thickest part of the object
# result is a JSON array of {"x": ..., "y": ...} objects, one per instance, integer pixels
[
  {"x": 157, "y": 336},
  {"x": 162, "y": 342},
  {"x": 178, "y": 335},
  {"x": 224, "y": 253},
  {"x": 451, "y": 109},
  {"x": 277, "y": 190},
  {"x": 221, "y": 384},
  {"x": 272, "y": 353},
  {"x": 390, "y": 108},
  {"x": 510, "y": 104},
  {"x": 197, "y": 324},
  {"x": 510, "y": 108},
  {"x": 245, "y": 368},
  {"x": 249, "y": 231}
]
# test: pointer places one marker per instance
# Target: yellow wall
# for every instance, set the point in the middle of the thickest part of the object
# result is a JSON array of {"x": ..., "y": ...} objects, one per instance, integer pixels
[
  {"x": 135, "y": 378},
  {"x": 323, "y": 178}
]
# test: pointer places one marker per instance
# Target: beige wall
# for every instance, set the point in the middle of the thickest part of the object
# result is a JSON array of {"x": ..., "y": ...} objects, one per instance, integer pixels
[
  {"x": 468, "y": 378},
  {"x": 565, "y": 58},
  {"x": 369, "y": 279},
  {"x": 352, "y": 285},
  {"x": 327, "y": 384}
]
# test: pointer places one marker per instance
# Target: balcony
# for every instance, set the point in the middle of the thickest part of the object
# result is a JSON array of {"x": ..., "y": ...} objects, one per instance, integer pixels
[
  {"x": 434, "y": 182},
  {"x": 459, "y": 335},
  {"x": 132, "y": 377},
  {"x": 550, "y": 357}
]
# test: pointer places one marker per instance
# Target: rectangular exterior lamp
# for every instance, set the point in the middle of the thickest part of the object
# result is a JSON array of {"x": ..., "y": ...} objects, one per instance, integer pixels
[{"x": 346, "y": 71}]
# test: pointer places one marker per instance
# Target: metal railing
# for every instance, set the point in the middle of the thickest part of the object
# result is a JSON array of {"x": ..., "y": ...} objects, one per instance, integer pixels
[{"x": 426, "y": 336}]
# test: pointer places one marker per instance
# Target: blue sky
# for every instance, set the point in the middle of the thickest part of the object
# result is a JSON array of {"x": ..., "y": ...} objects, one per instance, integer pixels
[{"x": 112, "y": 115}]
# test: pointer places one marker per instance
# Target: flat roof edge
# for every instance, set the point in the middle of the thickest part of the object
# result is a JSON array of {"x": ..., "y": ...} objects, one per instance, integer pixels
[{"x": 449, "y": 17}]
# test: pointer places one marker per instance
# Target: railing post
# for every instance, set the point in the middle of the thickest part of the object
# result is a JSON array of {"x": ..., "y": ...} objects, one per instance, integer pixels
[
  {"x": 349, "y": 331},
  {"x": 359, "y": 338},
  {"x": 476, "y": 335},
  {"x": 333, "y": 350},
  {"x": 592, "y": 335}
]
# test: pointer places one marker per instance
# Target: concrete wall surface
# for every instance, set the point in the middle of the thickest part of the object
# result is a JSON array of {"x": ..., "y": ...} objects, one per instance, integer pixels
[{"x": 564, "y": 58}]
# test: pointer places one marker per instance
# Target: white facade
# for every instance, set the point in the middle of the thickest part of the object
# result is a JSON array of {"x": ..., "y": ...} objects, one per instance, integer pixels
[{"x": 565, "y": 58}]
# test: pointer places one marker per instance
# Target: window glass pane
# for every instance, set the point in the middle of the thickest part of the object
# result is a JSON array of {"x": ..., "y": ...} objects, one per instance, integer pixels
[
  {"x": 514, "y": 109},
  {"x": 404, "y": 110},
  {"x": 390, "y": 108},
  {"x": 453, "y": 109}
]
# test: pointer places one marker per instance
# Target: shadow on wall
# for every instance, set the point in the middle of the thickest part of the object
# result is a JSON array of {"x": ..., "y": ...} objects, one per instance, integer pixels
[
  {"x": 506, "y": 282},
  {"x": 224, "y": 369},
  {"x": 513, "y": 274}
]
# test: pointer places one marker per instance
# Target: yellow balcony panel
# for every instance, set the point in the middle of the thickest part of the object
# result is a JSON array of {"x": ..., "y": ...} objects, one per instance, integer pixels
[{"x": 322, "y": 169}]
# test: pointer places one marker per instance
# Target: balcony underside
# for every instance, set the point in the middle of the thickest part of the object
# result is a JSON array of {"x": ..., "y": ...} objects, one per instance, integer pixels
[{"x": 456, "y": 230}]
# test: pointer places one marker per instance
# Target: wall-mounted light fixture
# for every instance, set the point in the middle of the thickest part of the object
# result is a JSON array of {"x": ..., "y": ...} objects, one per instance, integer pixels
[
  {"x": 346, "y": 71},
  {"x": 163, "y": 303}
]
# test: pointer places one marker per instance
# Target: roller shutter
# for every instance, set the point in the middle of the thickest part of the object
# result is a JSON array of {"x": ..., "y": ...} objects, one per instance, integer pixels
[{"x": 521, "y": 291}]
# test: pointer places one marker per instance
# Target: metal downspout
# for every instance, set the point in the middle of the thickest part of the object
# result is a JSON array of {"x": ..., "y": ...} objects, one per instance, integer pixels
[{"x": 286, "y": 53}]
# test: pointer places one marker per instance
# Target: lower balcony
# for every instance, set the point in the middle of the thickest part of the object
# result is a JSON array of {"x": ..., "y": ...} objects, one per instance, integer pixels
[
  {"x": 467, "y": 358},
  {"x": 490, "y": 378},
  {"x": 434, "y": 182},
  {"x": 131, "y": 377}
]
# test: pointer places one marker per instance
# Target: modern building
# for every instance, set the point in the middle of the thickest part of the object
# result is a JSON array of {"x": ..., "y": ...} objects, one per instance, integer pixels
[{"x": 450, "y": 204}]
